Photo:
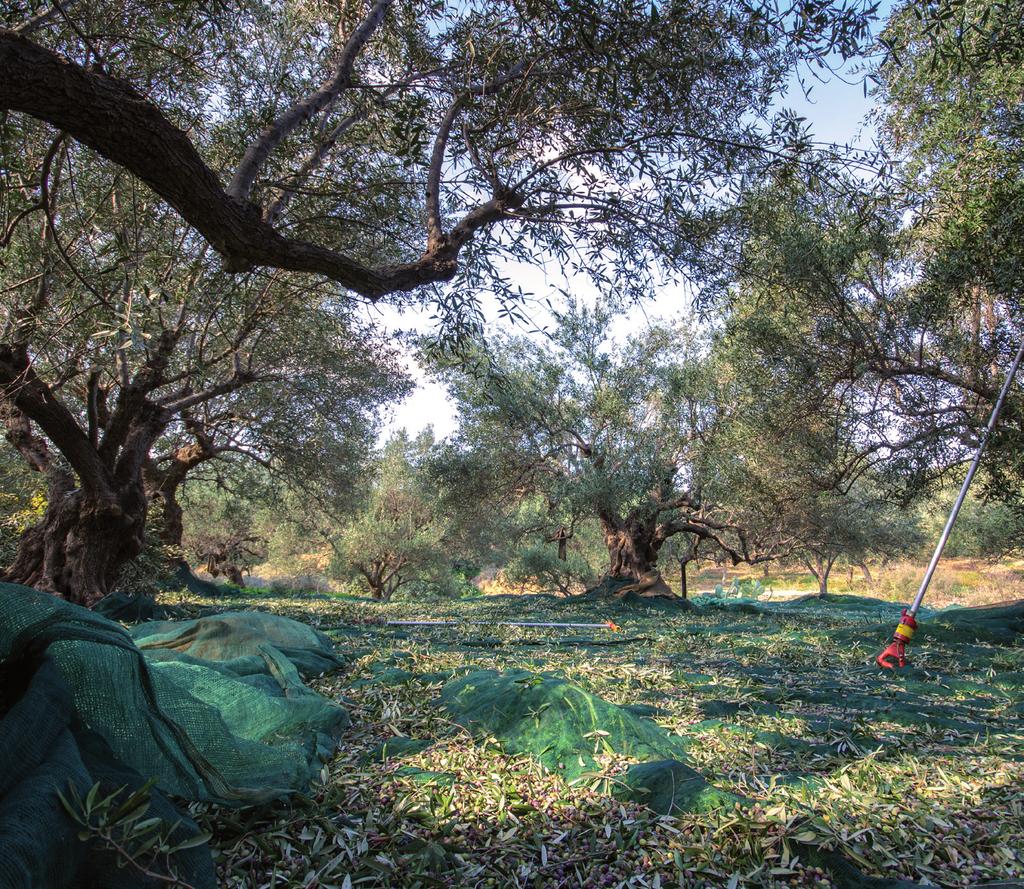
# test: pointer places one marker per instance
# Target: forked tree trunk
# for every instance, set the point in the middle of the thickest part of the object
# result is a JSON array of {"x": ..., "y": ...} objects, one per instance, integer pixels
[
  {"x": 382, "y": 578},
  {"x": 78, "y": 549},
  {"x": 821, "y": 568}
]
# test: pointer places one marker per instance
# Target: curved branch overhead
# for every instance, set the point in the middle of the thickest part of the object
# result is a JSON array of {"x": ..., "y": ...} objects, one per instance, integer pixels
[
  {"x": 109, "y": 116},
  {"x": 596, "y": 128}
]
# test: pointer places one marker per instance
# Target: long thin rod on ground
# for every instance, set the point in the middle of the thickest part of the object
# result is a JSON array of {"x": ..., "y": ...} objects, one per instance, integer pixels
[
  {"x": 993, "y": 417},
  {"x": 607, "y": 625}
]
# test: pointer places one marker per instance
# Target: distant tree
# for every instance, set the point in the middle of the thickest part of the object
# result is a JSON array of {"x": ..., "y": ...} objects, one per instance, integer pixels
[
  {"x": 682, "y": 549},
  {"x": 22, "y": 500},
  {"x": 625, "y": 434},
  {"x": 987, "y": 528},
  {"x": 854, "y": 527},
  {"x": 220, "y": 531},
  {"x": 396, "y": 536},
  {"x": 565, "y": 562}
]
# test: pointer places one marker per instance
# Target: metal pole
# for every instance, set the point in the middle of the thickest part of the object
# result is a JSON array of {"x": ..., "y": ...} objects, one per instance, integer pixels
[
  {"x": 607, "y": 625},
  {"x": 993, "y": 417}
]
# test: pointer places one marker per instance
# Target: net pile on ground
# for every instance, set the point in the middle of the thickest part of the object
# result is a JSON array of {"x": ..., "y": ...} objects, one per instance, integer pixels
[{"x": 213, "y": 710}]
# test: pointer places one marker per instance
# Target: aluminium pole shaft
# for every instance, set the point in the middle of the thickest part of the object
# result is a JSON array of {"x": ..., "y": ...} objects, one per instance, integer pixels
[{"x": 993, "y": 417}]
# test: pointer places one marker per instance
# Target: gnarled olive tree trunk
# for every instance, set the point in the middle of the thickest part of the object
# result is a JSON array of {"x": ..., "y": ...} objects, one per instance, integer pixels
[
  {"x": 96, "y": 514},
  {"x": 633, "y": 547},
  {"x": 78, "y": 549}
]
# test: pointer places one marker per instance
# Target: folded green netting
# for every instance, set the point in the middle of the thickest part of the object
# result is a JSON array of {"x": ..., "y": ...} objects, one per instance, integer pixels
[
  {"x": 46, "y": 750},
  {"x": 671, "y": 788},
  {"x": 235, "y": 634},
  {"x": 80, "y": 703}
]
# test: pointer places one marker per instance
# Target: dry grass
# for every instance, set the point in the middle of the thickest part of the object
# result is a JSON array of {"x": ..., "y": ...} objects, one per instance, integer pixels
[{"x": 956, "y": 582}]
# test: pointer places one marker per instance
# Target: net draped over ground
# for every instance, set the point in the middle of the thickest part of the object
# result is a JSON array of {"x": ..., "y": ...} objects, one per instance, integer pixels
[{"x": 213, "y": 709}]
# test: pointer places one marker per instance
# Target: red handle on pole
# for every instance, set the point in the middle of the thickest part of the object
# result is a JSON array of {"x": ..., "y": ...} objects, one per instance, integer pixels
[{"x": 895, "y": 653}]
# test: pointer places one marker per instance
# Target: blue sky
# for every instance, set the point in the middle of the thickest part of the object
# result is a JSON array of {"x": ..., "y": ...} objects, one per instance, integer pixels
[{"x": 836, "y": 111}]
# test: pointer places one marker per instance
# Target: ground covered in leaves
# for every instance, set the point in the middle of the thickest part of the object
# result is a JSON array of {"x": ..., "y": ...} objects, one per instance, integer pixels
[{"x": 917, "y": 776}]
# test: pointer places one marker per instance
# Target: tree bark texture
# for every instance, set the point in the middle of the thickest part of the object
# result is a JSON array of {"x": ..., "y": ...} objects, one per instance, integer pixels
[
  {"x": 83, "y": 540},
  {"x": 633, "y": 555}
]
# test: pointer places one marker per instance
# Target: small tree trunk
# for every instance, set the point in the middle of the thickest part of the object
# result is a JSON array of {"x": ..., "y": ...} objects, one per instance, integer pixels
[
  {"x": 234, "y": 574},
  {"x": 867, "y": 574},
  {"x": 682, "y": 579},
  {"x": 374, "y": 574},
  {"x": 815, "y": 569},
  {"x": 821, "y": 571}
]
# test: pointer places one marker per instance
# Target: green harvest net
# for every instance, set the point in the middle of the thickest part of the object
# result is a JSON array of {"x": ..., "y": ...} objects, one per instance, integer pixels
[
  {"x": 566, "y": 728},
  {"x": 557, "y": 722},
  {"x": 213, "y": 710}
]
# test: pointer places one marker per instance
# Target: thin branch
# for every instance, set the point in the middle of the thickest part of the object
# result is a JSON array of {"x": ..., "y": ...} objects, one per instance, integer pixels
[
  {"x": 257, "y": 153},
  {"x": 44, "y": 18}
]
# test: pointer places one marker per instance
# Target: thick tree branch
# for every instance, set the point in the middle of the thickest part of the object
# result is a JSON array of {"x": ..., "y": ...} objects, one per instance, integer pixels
[
  {"x": 19, "y": 433},
  {"x": 435, "y": 231},
  {"x": 110, "y": 117},
  {"x": 33, "y": 398},
  {"x": 435, "y": 228}
]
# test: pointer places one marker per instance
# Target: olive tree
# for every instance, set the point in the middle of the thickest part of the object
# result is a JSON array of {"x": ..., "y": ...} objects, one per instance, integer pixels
[
  {"x": 396, "y": 535},
  {"x": 312, "y": 427},
  {"x": 171, "y": 179},
  {"x": 625, "y": 433}
]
